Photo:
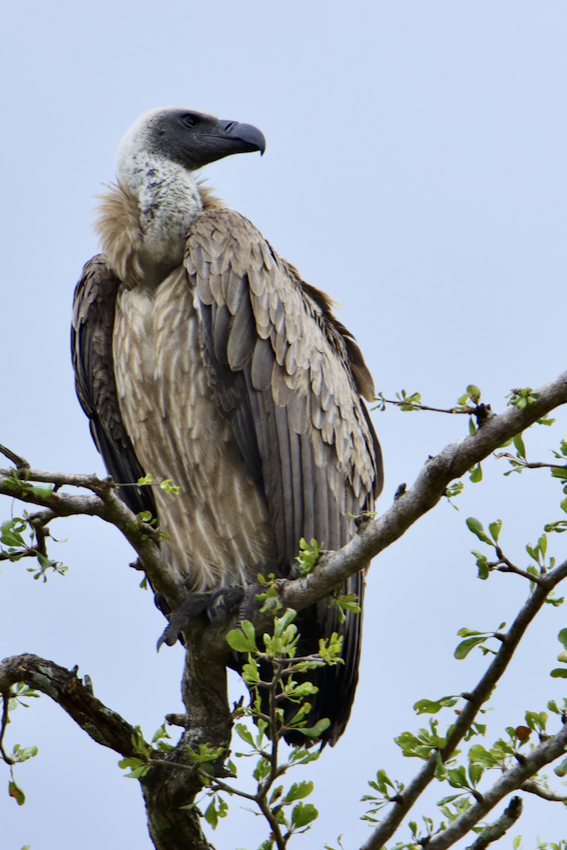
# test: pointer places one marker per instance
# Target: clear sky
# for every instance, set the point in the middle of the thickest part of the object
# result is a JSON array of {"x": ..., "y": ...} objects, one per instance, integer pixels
[{"x": 415, "y": 170}]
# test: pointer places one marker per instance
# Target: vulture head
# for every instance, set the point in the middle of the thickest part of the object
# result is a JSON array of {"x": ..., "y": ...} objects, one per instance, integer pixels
[
  {"x": 188, "y": 138},
  {"x": 143, "y": 221}
]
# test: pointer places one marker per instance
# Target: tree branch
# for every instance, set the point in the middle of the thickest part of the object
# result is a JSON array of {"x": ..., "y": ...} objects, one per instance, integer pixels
[
  {"x": 510, "y": 781},
  {"x": 475, "y": 699},
  {"x": 501, "y": 826},
  {"x": 535, "y": 788},
  {"x": 106, "y": 504},
  {"x": 18, "y": 461},
  {"x": 470, "y": 411},
  {"x": 171, "y": 828},
  {"x": 103, "y": 725}
]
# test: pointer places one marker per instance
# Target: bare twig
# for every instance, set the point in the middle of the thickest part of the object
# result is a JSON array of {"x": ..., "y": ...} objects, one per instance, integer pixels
[
  {"x": 527, "y": 465},
  {"x": 470, "y": 411},
  {"x": 500, "y": 827},
  {"x": 508, "y": 567}
]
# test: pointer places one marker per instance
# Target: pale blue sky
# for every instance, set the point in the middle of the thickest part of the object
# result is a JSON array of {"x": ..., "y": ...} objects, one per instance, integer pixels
[{"x": 416, "y": 171}]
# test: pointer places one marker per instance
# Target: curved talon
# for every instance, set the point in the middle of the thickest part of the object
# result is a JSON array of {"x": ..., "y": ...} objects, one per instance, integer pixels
[{"x": 217, "y": 604}]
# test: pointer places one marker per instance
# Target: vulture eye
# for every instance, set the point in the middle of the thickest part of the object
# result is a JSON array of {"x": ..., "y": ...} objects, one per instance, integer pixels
[{"x": 189, "y": 121}]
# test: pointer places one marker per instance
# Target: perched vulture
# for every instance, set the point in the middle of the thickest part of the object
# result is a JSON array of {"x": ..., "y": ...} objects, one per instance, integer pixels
[{"x": 202, "y": 357}]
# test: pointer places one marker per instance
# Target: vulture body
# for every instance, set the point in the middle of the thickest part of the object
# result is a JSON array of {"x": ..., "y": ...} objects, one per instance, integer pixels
[{"x": 202, "y": 357}]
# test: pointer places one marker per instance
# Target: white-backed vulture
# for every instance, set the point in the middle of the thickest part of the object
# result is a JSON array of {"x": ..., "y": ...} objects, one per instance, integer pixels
[{"x": 202, "y": 357}]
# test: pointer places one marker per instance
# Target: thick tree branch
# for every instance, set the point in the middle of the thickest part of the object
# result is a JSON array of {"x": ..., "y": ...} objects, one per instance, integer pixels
[
  {"x": 475, "y": 700},
  {"x": 500, "y": 827},
  {"x": 103, "y": 725},
  {"x": 164, "y": 790}
]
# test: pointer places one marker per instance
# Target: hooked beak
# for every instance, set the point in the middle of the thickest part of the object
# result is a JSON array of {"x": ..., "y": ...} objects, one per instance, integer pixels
[{"x": 246, "y": 137}]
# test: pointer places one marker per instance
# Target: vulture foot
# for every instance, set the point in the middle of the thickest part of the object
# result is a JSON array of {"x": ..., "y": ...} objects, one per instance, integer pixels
[{"x": 218, "y": 605}]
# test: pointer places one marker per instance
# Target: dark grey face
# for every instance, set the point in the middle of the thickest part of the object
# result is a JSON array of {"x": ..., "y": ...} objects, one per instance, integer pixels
[{"x": 194, "y": 139}]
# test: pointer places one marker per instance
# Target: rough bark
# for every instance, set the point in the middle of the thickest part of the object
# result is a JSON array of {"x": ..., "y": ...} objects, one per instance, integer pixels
[
  {"x": 104, "y": 726},
  {"x": 208, "y": 721}
]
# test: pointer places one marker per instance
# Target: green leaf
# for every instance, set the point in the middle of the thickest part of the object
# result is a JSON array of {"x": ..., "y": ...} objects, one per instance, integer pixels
[
  {"x": 561, "y": 769},
  {"x": 481, "y": 756},
  {"x": 465, "y": 646},
  {"x": 11, "y": 529},
  {"x": 494, "y": 529},
  {"x": 427, "y": 706},
  {"x": 281, "y": 623},
  {"x": 449, "y": 799},
  {"x": 138, "y": 767},
  {"x": 476, "y": 474},
  {"x": 559, "y": 673},
  {"x": 237, "y": 640},
  {"x": 315, "y": 731},
  {"x": 475, "y": 773},
  {"x": 168, "y": 487},
  {"x": 24, "y": 754},
  {"x": 477, "y": 528},
  {"x": 298, "y": 791},
  {"x": 16, "y": 792},
  {"x": 245, "y": 733},
  {"x": 519, "y": 444},
  {"x": 303, "y": 814},
  {"x": 160, "y": 733},
  {"x": 248, "y": 630},
  {"x": 536, "y": 720},
  {"x": 473, "y": 393},
  {"x": 302, "y": 756},
  {"x": 562, "y": 637},
  {"x": 457, "y": 777},
  {"x": 211, "y": 815},
  {"x": 261, "y": 770}
]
